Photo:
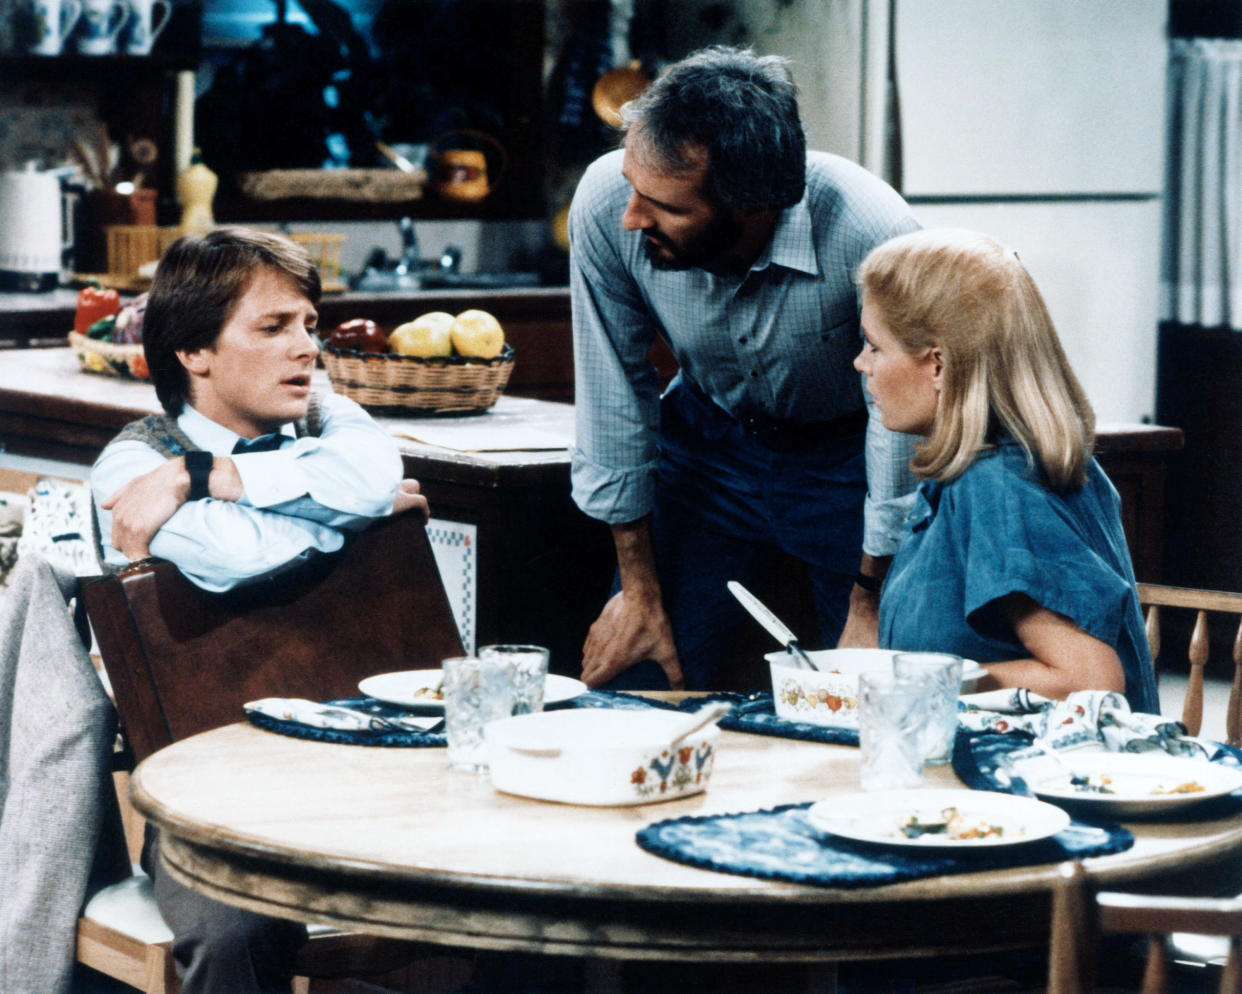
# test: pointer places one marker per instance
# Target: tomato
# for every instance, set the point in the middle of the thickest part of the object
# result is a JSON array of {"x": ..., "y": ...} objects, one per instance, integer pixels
[{"x": 361, "y": 334}]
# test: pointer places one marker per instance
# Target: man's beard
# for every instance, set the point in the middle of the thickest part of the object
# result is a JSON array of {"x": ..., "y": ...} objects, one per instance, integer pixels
[{"x": 706, "y": 248}]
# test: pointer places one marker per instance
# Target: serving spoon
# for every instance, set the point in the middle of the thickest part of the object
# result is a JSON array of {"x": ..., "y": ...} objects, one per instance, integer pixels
[{"x": 700, "y": 718}]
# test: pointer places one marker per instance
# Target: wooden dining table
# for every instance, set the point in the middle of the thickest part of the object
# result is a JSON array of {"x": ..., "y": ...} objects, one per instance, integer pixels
[{"x": 393, "y": 842}]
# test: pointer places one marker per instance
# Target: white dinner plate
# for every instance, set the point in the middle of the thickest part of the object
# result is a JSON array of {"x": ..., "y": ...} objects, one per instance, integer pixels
[
  {"x": 1138, "y": 783},
  {"x": 401, "y": 687},
  {"x": 880, "y": 816}
]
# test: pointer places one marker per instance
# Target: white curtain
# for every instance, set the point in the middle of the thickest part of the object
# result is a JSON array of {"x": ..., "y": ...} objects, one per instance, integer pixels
[{"x": 1201, "y": 272}]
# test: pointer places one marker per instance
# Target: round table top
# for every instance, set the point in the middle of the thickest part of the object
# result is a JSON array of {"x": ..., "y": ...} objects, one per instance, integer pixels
[{"x": 390, "y": 840}]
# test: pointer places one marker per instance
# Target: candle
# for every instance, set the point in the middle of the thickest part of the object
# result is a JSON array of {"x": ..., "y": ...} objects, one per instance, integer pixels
[{"x": 183, "y": 148}]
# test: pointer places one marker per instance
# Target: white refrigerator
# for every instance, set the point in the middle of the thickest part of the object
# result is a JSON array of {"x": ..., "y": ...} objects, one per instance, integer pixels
[{"x": 1038, "y": 121}]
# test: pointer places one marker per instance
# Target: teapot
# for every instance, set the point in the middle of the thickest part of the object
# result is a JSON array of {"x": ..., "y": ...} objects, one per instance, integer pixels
[{"x": 461, "y": 174}]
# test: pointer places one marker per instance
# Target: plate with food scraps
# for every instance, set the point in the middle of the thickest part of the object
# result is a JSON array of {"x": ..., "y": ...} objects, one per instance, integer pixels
[
  {"x": 1131, "y": 783},
  {"x": 938, "y": 819},
  {"x": 421, "y": 690}
]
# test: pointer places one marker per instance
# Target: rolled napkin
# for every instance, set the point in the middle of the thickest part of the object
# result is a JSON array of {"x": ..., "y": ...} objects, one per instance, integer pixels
[
  {"x": 1086, "y": 719},
  {"x": 332, "y": 716}
]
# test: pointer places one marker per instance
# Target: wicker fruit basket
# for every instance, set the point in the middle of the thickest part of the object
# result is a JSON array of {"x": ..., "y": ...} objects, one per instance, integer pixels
[
  {"x": 400, "y": 385},
  {"x": 109, "y": 358}
]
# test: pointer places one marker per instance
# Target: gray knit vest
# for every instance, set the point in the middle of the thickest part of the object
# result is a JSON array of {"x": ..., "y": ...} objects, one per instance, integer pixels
[{"x": 160, "y": 431}]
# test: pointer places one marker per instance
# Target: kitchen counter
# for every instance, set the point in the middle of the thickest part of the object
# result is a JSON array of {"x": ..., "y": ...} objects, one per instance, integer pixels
[{"x": 535, "y": 319}]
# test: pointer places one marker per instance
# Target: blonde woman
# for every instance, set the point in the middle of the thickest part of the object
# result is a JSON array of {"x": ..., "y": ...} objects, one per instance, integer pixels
[{"x": 1014, "y": 553}]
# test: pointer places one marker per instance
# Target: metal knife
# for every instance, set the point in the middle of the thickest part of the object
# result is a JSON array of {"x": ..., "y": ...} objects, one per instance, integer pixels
[{"x": 775, "y": 627}]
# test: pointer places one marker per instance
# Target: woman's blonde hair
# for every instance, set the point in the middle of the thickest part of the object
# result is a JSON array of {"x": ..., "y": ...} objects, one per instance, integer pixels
[{"x": 970, "y": 297}]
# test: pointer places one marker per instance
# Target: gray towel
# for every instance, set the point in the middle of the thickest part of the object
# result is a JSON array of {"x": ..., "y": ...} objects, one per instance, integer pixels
[{"x": 55, "y": 775}]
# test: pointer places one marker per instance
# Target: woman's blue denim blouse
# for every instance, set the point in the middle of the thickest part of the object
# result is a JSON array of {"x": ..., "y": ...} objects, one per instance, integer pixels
[{"x": 997, "y": 530}]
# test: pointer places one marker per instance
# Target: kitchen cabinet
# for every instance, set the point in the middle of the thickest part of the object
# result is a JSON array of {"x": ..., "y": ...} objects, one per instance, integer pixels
[{"x": 134, "y": 94}]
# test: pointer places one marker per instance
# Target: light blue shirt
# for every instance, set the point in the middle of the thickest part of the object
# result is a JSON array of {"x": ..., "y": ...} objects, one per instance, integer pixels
[
  {"x": 997, "y": 530},
  {"x": 777, "y": 343},
  {"x": 297, "y": 500}
]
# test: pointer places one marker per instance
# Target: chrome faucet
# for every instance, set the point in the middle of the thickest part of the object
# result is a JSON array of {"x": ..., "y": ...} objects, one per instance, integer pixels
[{"x": 409, "y": 262}]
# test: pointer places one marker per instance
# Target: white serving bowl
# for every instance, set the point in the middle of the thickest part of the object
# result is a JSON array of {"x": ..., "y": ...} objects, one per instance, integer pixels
[
  {"x": 829, "y": 696},
  {"x": 599, "y": 756}
]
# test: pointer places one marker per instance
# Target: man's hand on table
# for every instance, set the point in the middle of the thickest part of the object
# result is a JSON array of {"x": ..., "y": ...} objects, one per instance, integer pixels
[{"x": 629, "y": 629}]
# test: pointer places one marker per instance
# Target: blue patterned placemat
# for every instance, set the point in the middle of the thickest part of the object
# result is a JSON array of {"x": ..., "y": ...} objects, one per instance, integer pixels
[
  {"x": 352, "y": 737},
  {"x": 977, "y": 755},
  {"x": 782, "y": 844},
  {"x": 752, "y": 713}
]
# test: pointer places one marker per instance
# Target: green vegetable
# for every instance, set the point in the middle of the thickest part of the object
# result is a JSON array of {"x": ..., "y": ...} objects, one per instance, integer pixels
[{"x": 102, "y": 329}]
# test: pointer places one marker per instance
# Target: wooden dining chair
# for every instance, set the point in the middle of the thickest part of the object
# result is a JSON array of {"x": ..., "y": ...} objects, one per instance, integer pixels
[
  {"x": 1082, "y": 915},
  {"x": 1154, "y": 597},
  {"x": 181, "y": 661}
]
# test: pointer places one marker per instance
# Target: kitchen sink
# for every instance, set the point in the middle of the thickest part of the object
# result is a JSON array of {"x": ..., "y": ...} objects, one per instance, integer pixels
[{"x": 386, "y": 281}]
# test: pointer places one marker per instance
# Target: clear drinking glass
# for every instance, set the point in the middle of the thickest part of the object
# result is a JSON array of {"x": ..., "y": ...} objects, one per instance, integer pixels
[
  {"x": 941, "y": 675},
  {"x": 529, "y": 666},
  {"x": 891, "y": 715},
  {"x": 476, "y": 691}
]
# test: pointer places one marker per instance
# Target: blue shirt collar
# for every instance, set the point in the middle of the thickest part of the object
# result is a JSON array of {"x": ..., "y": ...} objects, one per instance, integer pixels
[
  {"x": 793, "y": 242},
  {"x": 211, "y": 436}
]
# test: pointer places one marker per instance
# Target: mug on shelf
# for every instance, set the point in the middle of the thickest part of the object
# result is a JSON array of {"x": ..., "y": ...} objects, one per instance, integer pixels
[
  {"x": 54, "y": 21},
  {"x": 102, "y": 21},
  {"x": 461, "y": 174},
  {"x": 147, "y": 20}
]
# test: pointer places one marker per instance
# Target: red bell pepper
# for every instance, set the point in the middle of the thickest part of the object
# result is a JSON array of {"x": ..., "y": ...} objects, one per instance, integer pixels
[{"x": 94, "y": 302}]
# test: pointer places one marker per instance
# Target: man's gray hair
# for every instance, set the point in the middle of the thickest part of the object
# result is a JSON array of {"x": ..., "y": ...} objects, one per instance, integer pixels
[{"x": 741, "y": 108}]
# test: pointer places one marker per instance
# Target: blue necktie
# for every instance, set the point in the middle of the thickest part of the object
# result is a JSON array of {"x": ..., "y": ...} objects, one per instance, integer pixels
[{"x": 264, "y": 443}]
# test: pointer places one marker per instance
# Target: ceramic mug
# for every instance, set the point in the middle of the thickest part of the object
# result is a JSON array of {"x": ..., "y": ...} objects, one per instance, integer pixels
[
  {"x": 53, "y": 22},
  {"x": 148, "y": 19},
  {"x": 102, "y": 21}
]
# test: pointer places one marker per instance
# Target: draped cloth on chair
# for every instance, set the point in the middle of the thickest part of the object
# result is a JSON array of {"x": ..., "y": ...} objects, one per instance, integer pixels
[
  {"x": 56, "y": 733},
  {"x": 1201, "y": 270}
]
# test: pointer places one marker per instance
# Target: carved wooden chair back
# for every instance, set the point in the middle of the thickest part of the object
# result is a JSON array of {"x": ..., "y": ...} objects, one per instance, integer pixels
[
  {"x": 182, "y": 660},
  {"x": 1081, "y": 915},
  {"x": 1202, "y": 602}
]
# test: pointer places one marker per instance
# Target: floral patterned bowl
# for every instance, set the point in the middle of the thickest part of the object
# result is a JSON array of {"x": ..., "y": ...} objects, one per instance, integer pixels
[
  {"x": 829, "y": 696},
  {"x": 600, "y": 756}
]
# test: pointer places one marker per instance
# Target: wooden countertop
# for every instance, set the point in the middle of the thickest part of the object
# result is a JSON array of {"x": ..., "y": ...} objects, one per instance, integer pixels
[{"x": 44, "y": 396}]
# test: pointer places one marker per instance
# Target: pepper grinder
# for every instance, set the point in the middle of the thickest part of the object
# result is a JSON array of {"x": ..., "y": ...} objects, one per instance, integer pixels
[{"x": 196, "y": 189}]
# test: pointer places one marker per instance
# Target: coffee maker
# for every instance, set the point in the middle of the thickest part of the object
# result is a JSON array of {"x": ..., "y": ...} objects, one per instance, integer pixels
[{"x": 36, "y": 229}]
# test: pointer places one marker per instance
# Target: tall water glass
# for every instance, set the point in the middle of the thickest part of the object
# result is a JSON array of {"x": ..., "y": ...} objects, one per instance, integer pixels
[
  {"x": 941, "y": 676},
  {"x": 528, "y": 665},
  {"x": 476, "y": 692},
  {"x": 891, "y": 714}
]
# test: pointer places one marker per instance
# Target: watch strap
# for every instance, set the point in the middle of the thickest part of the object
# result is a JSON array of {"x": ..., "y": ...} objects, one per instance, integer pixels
[
  {"x": 871, "y": 584},
  {"x": 199, "y": 464}
]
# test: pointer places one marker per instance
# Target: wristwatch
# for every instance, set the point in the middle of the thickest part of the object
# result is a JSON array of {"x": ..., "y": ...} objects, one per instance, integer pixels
[
  {"x": 871, "y": 584},
  {"x": 199, "y": 464}
]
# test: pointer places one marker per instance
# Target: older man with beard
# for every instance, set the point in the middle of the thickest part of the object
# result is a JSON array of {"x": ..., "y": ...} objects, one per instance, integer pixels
[{"x": 715, "y": 229}]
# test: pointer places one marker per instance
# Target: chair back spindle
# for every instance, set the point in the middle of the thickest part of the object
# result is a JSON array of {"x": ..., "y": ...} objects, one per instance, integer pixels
[{"x": 1203, "y": 603}]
